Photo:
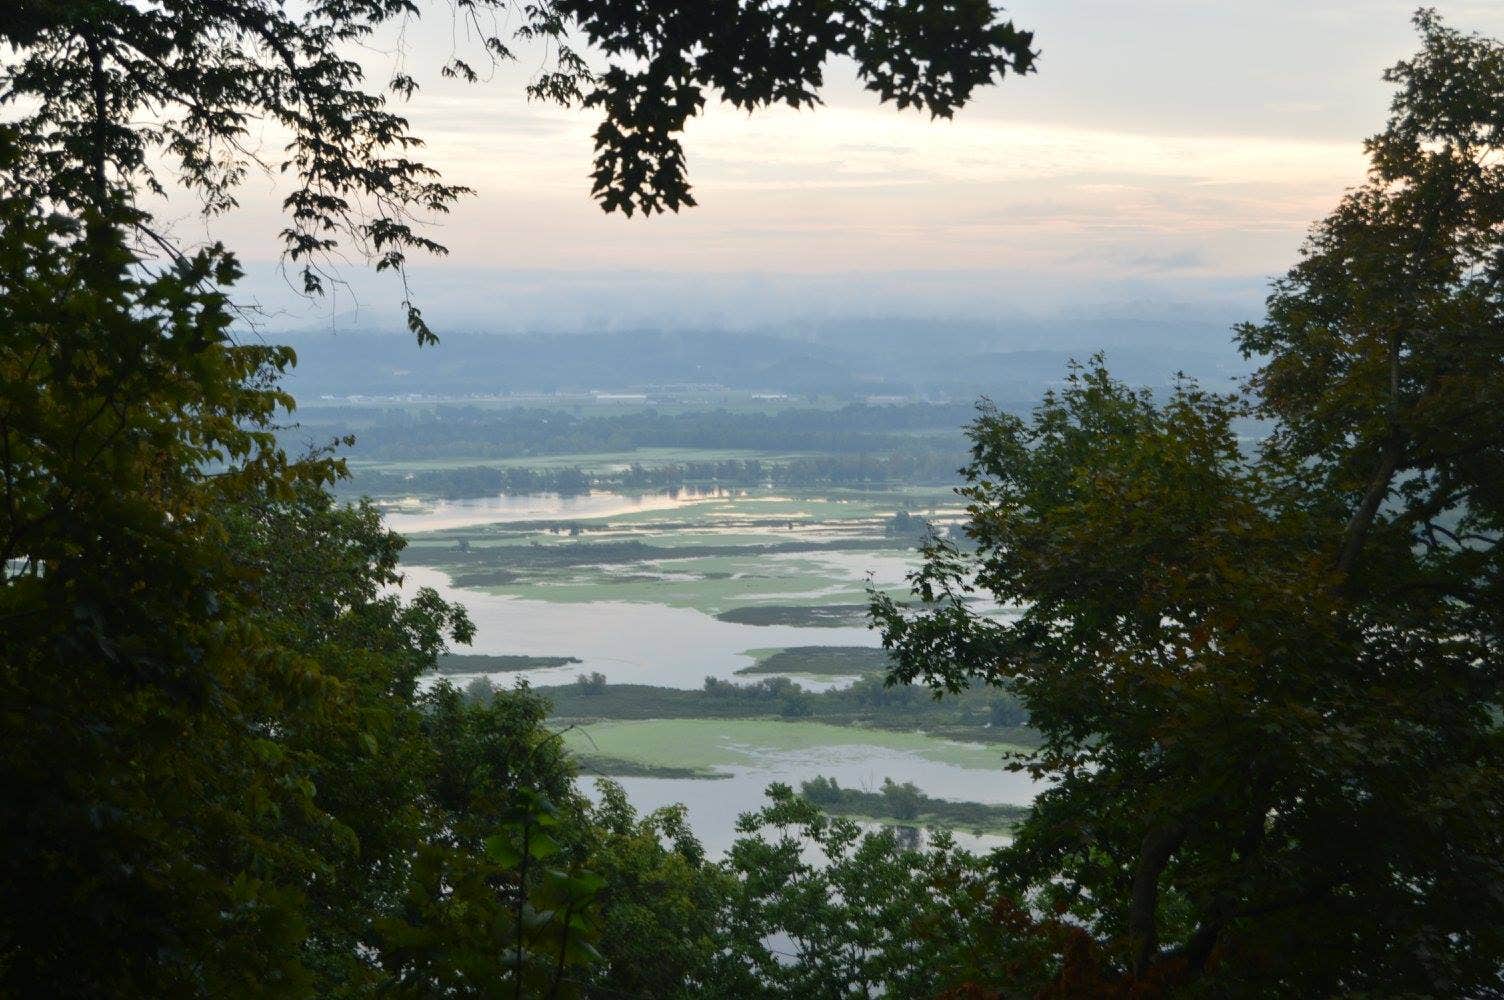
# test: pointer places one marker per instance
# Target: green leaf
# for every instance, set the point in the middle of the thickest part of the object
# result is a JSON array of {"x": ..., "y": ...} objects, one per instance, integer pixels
[{"x": 500, "y": 849}]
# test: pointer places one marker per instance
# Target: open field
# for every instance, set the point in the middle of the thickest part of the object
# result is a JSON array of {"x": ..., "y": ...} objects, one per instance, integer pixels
[{"x": 721, "y": 743}]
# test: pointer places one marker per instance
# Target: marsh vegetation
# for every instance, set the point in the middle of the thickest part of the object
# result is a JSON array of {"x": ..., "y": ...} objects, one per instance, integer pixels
[{"x": 781, "y": 580}]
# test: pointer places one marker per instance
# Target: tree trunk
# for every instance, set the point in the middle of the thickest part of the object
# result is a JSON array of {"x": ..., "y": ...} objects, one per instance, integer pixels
[
  {"x": 1159, "y": 845},
  {"x": 1358, "y": 525}
]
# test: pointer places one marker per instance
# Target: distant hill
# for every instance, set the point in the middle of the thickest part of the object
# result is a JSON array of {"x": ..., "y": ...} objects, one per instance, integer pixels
[{"x": 849, "y": 359}]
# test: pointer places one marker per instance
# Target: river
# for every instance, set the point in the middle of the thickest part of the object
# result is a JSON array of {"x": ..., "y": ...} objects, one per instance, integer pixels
[{"x": 647, "y": 643}]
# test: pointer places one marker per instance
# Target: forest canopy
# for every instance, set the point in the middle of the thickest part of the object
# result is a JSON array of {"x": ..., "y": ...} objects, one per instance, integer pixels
[{"x": 1269, "y": 679}]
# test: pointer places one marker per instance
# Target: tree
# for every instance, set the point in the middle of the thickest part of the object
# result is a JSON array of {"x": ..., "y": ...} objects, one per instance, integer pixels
[
  {"x": 499, "y": 897},
  {"x": 220, "y": 779},
  {"x": 320, "y": 581},
  {"x": 1270, "y": 678},
  {"x": 819, "y": 908},
  {"x": 660, "y": 904},
  {"x": 902, "y": 800},
  {"x": 142, "y": 805}
]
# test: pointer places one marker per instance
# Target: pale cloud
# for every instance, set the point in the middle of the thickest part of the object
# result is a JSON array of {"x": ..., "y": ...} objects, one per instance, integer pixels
[
  {"x": 1188, "y": 142},
  {"x": 777, "y": 193},
  {"x": 990, "y": 151}
]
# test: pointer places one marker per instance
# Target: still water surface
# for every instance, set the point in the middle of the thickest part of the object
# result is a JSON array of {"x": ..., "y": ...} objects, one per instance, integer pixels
[
  {"x": 630, "y": 643},
  {"x": 713, "y": 807}
]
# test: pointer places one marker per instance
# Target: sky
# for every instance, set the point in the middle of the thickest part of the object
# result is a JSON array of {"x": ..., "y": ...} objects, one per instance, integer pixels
[{"x": 1166, "y": 155}]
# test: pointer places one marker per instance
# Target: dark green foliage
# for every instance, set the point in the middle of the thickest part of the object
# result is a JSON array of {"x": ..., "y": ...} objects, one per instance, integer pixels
[
  {"x": 818, "y": 615},
  {"x": 316, "y": 579},
  {"x": 905, "y": 803},
  {"x": 487, "y": 663},
  {"x": 154, "y": 840},
  {"x": 673, "y": 55},
  {"x": 591, "y": 683},
  {"x": 617, "y": 767},
  {"x": 868, "y": 702},
  {"x": 908, "y": 527},
  {"x": 497, "y": 900},
  {"x": 1269, "y": 680},
  {"x": 661, "y": 902},
  {"x": 822, "y": 909},
  {"x": 220, "y": 776},
  {"x": 833, "y": 660}
]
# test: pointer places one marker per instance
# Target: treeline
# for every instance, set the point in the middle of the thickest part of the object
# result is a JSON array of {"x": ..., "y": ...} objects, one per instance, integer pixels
[
  {"x": 905, "y": 803},
  {"x": 467, "y": 558},
  {"x": 469, "y": 663},
  {"x": 978, "y": 714},
  {"x": 824, "y": 660},
  {"x": 388, "y": 434},
  {"x": 927, "y": 467}
]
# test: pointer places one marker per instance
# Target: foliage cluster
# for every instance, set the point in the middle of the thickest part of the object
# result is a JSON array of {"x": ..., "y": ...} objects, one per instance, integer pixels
[
  {"x": 981, "y": 715},
  {"x": 584, "y": 553},
  {"x": 906, "y": 804},
  {"x": 1268, "y": 679},
  {"x": 829, "y": 660},
  {"x": 474, "y": 663}
]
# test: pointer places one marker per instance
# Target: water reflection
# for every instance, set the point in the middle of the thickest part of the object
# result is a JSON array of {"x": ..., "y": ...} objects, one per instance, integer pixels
[
  {"x": 715, "y": 803},
  {"x": 629, "y": 643},
  {"x": 713, "y": 807}
]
